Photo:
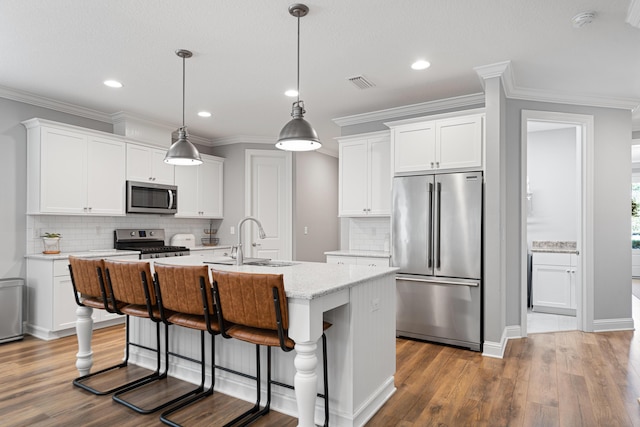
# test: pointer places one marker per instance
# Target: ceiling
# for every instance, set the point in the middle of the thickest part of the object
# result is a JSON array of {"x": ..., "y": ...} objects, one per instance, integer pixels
[{"x": 245, "y": 56}]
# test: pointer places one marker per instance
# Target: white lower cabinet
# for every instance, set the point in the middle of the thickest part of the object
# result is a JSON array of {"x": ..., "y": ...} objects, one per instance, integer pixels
[
  {"x": 358, "y": 260},
  {"x": 554, "y": 283},
  {"x": 52, "y": 306}
]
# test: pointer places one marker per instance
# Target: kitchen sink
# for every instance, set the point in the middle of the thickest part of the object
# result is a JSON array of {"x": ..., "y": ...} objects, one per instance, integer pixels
[
  {"x": 269, "y": 263},
  {"x": 262, "y": 262}
]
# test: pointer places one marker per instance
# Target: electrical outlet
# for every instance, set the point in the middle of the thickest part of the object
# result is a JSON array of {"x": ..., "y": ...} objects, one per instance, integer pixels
[
  {"x": 306, "y": 230},
  {"x": 232, "y": 230}
]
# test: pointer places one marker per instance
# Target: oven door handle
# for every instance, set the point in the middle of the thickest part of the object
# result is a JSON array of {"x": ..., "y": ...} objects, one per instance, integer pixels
[{"x": 170, "y": 199}]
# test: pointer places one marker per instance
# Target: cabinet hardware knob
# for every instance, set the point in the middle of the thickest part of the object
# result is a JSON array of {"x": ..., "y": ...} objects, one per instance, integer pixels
[{"x": 437, "y": 165}]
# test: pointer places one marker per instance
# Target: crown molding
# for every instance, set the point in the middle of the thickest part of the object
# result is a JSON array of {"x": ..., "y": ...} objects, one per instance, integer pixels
[
  {"x": 52, "y": 104},
  {"x": 504, "y": 71},
  {"x": 633, "y": 14},
  {"x": 243, "y": 139},
  {"x": 423, "y": 108}
]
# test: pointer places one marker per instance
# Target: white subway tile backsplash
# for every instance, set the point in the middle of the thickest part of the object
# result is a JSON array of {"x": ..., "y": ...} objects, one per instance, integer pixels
[
  {"x": 369, "y": 234},
  {"x": 81, "y": 233}
]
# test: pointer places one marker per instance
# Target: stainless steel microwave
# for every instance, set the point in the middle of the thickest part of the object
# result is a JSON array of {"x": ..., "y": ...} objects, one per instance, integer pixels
[{"x": 144, "y": 197}]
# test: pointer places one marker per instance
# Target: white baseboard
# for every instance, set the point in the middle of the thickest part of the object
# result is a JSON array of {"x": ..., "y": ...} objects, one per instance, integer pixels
[
  {"x": 497, "y": 349},
  {"x": 610, "y": 325}
]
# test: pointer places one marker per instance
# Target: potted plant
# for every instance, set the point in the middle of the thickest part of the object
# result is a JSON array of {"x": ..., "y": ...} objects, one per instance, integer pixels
[{"x": 51, "y": 243}]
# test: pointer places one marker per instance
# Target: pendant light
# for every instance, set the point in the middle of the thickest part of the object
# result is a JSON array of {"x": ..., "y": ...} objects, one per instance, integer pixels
[
  {"x": 183, "y": 152},
  {"x": 298, "y": 134}
]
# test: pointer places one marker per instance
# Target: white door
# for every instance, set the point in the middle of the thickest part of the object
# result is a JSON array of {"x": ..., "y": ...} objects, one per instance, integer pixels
[{"x": 268, "y": 183}]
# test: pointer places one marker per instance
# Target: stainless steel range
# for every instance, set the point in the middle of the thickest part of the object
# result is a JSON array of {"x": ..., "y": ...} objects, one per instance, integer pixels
[{"x": 150, "y": 243}]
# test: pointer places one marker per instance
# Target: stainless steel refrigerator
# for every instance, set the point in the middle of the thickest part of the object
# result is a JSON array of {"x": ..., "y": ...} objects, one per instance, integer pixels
[{"x": 436, "y": 230}]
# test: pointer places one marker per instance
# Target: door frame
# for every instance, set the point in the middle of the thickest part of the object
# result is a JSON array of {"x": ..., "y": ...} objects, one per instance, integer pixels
[
  {"x": 585, "y": 126},
  {"x": 286, "y": 204}
]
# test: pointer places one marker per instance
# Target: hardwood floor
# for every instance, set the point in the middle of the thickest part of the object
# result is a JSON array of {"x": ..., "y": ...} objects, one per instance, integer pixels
[{"x": 558, "y": 379}]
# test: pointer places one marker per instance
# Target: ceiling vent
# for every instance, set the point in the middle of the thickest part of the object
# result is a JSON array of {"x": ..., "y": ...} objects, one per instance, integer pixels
[{"x": 361, "y": 82}]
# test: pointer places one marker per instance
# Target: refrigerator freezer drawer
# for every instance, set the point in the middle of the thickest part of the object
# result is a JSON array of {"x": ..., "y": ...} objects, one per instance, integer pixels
[{"x": 441, "y": 310}]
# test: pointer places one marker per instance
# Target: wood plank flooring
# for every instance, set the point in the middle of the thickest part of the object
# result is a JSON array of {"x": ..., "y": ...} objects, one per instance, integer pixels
[{"x": 556, "y": 379}]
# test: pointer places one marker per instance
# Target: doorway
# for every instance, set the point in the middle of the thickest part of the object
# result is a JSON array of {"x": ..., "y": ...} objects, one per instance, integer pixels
[
  {"x": 555, "y": 219},
  {"x": 268, "y": 192}
]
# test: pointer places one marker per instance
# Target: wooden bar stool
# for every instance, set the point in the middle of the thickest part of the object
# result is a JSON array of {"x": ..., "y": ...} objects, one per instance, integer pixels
[
  {"x": 89, "y": 290},
  {"x": 131, "y": 283},
  {"x": 253, "y": 308},
  {"x": 185, "y": 299}
]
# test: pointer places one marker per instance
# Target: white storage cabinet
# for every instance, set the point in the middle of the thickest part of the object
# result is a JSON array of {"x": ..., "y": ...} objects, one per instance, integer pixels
[
  {"x": 553, "y": 284},
  {"x": 200, "y": 189},
  {"x": 52, "y": 306},
  {"x": 146, "y": 164},
  {"x": 74, "y": 171},
  {"x": 365, "y": 175},
  {"x": 437, "y": 145}
]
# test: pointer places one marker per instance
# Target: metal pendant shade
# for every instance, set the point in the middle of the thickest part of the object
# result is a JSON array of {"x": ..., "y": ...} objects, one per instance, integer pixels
[
  {"x": 183, "y": 152},
  {"x": 298, "y": 134}
]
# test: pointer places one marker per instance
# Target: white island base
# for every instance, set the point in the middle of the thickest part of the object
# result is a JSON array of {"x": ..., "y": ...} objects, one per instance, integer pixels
[{"x": 359, "y": 301}]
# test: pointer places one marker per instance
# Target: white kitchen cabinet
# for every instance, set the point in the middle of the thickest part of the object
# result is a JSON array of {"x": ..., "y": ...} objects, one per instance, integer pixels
[
  {"x": 437, "y": 145},
  {"x": 52, "y": 306},
  {"x": 358, "y": 260},
  {"x": 74, "y": 171},
  {"x": 554, "y": 283},
  {"x": 200, "y": 189},
  {"x": 146, "y": 164},
  {"x": 365, "y": 175}
]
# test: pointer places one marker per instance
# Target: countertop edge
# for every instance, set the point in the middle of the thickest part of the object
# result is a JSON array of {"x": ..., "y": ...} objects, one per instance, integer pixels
[
  {"x": 360, "y": 253},
  {"x": 101, "y": 253}
]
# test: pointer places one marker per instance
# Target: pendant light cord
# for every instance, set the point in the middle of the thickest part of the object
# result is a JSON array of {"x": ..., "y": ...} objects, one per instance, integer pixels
[
  {"x": 183, "y": 90},
  {"x": 298, "y": 82}
]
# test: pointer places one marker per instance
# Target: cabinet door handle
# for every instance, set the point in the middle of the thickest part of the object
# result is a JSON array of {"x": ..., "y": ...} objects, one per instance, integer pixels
[
  {"x": 437, "y": 165},
  {"x": 431, "y": 165}
]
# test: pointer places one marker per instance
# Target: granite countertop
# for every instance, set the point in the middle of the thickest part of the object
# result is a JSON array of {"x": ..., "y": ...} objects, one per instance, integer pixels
[
  {"x": 302, "y": 280},
  {"x": 362, "y": 253},
  {"x": 97, "y": 253},
  {"x": 552, "y": 246}
]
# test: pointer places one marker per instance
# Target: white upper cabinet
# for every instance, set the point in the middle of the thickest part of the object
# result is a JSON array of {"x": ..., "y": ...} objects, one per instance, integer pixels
[
  {"x": 146, "y": 164},
  {"x": 200, "y": 188},
  {"x": 436, "y": 145},
  {"x": 74, "y": 171},
  {"x": 365, "y": 175}
]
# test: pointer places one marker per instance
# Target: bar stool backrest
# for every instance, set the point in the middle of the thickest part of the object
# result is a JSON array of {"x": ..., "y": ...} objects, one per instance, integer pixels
[
  {"x": 85, "y": 276},
  {"x": 125, "y": 278},
  {"x": 248, "y": 299},
  {"x": 180, "y": 288}
]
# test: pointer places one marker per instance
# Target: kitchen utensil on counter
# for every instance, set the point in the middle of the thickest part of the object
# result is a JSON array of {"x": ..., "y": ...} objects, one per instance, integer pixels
[
  {"x": 210, "y": 239},
  {"x": 188, "y": 240}
]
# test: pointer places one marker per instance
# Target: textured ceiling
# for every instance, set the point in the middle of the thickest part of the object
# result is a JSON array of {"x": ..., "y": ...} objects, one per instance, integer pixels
[{"x": 244, "y": 55}]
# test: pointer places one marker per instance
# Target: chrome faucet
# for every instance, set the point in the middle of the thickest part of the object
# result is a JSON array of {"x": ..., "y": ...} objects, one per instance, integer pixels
[{"x": 261, "y": 233}]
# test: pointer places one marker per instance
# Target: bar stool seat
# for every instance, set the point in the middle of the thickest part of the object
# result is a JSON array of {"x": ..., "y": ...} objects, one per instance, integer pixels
[
  {"x": 253, "y": 308},
  {"x": 185, "y": 299},
  {"x": 89, "y": 290},
  {"x": 131, "y": 283}
]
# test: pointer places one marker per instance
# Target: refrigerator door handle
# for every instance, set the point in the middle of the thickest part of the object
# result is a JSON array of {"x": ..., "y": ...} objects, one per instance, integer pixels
[
  {"x": 436, "y": 246},
  {"x": 438, "y": 281},
  {"x": 430, "y": 227}
]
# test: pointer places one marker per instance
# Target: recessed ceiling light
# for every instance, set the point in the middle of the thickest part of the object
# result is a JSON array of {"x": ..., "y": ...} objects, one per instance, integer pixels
[
  {"x": 420, "y": 65},
  {"x": 113, "y": 83},
  {"x": 204, "y": 114},
  {"x": 292, "y": 93}
]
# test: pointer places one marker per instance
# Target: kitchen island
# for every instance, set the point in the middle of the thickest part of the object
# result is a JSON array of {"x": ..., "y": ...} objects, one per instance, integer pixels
[{"x": 359, "y": 301}]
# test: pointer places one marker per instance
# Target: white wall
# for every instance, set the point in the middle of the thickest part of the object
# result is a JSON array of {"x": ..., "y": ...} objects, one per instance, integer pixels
[{"x": 552, "y": 173}]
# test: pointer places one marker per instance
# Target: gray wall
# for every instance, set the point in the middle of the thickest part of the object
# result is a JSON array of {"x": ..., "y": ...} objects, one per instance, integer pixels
[
  {"x": 315, "y": 199},
  {"x": 315, "y": 206},
  {"x": 13, "y": 176},
  {"x": 612, "y": 223}
]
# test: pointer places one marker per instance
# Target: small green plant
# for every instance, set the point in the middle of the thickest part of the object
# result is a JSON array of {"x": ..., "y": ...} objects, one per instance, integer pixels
[
  {"x": 52, "y": 235},
  {"x": 634, "y": 208}
]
